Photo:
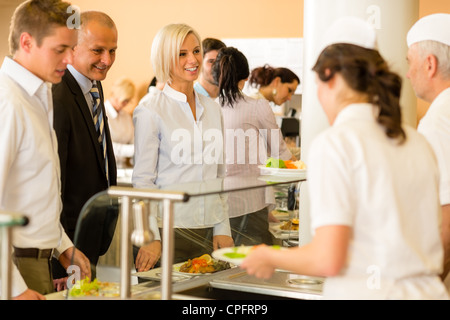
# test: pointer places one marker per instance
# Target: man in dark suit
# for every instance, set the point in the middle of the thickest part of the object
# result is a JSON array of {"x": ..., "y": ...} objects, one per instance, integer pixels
[{"x": 86, "y": 154}]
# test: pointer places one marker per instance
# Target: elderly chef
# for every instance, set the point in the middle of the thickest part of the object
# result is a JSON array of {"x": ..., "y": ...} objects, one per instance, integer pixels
[{"x": 429, "y": 72}]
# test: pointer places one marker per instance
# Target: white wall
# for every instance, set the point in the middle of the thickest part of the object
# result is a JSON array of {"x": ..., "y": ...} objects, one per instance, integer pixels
[{"x": 392, "y": 19}]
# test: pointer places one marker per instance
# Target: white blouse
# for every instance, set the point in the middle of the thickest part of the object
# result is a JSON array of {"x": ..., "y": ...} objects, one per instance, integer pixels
[
  {"x": 171, "y": 147},
  {"x": 388, "y": 194},
  {"x": 251, "y": 135}
]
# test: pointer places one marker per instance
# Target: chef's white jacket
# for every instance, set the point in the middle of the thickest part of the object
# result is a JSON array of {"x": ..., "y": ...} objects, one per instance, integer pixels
[
  {"x": 388, "y": 195},
  {"x": 435, "y": 126}
]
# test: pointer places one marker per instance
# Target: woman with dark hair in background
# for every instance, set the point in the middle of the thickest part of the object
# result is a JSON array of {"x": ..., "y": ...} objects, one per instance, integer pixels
[
  {"x": 276, "y": 85},
  {"x": 373, "y": 185},
  {"x": 250, "y": 120}
]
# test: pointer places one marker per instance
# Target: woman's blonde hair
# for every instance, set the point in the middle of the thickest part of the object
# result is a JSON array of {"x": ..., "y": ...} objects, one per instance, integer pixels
[
  {"x": 123, "y": 89},
  {"x": 166, "y": 48}
]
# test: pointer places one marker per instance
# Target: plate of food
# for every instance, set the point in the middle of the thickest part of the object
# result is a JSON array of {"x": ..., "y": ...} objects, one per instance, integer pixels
[
  {"x": 289, "y": 226},
  {"x": 280, "y": 215},
  {"x": 203, "y": 265},
  {"x": 235, "y": 255},
  {"x": 286, "y": 168}
]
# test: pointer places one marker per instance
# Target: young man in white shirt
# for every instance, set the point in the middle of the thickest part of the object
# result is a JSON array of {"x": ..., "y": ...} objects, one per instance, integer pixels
[{"x": 41, "y": 47}]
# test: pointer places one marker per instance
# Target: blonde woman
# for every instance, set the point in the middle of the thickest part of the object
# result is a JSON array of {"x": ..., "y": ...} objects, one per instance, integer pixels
[
  {"x": 173, "y": 144},
  {"x": 119, "y": 119}
]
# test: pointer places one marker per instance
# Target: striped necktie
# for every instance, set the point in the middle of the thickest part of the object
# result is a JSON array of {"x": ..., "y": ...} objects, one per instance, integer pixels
[{"x": 97, "y": 114}]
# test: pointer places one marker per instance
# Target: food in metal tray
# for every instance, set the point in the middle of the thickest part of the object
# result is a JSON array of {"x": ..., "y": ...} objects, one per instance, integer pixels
[
  {"x": 95, "y": 288},
  {"x": 290, "y": 225}
]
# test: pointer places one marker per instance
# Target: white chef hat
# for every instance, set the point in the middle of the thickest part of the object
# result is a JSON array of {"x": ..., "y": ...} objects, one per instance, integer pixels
[
  {"x": 350, "y": 30},
  {"x": 435, "y": 27}
]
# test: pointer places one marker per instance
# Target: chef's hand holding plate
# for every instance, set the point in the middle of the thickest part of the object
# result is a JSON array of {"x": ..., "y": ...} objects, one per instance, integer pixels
[{"x": 258, "y": 262}]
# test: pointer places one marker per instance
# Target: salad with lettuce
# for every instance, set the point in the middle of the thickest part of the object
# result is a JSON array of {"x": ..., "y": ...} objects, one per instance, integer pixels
[
  {"x": 285, "y": 164},
  {"x": 95, "y": 288}
]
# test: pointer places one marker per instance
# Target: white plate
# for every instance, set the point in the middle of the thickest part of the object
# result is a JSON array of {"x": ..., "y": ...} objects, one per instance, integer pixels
[
  {"x": 298, "y": 173},
  {"x": 277, "y": 228},
  {"x": 155, "y": 274},
  {"x": 225, "y": 254}
]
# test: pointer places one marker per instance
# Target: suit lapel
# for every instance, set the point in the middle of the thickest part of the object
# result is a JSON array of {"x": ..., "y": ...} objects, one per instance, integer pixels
[{"x": 87, "y": 116}]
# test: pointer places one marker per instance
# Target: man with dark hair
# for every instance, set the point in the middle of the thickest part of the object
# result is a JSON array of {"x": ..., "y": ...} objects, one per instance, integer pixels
[
  {"x": 205, "y": 83},
  {"x": 41, "y": 47}
]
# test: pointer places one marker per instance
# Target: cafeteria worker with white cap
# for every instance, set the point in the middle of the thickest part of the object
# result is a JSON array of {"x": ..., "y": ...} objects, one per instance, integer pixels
[
  {"x": 373, "y": 184},
  {"x": 429, "y": 72}
]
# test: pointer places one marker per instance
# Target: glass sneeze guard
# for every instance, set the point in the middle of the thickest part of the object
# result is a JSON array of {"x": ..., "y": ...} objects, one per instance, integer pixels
[{"x": 177, "y": 206}]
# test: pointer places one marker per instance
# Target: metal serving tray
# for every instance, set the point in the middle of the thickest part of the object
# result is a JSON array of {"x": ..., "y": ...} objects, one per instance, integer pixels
[{"x": 281, "y": 284}]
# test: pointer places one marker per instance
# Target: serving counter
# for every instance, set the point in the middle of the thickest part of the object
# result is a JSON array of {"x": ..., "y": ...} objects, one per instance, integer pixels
[{"x": 113, "y": 218}]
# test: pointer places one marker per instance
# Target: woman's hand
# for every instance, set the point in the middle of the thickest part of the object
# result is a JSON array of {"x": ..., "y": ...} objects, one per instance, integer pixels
[{"x": 222, "y": 241}]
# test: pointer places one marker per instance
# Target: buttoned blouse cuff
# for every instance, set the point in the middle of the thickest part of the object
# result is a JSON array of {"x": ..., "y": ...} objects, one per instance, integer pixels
[
  {"x": 222, "y": 228},
  {"x": 65, "y": 244},
  {"x": 154, "y": 228}
]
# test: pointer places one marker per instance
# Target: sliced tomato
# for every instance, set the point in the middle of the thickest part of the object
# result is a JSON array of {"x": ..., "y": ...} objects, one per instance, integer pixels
[{"x": 290, "y": 165}]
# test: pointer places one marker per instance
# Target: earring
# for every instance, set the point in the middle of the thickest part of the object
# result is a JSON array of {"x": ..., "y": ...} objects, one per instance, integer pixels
[{"x": 274, "y": 92}]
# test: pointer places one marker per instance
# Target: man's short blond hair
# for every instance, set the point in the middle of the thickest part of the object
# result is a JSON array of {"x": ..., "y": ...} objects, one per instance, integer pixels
[
  {"x": 166, "y": 48},
  {"x": 38, "y": 18},
  {"x": 97, "y": 16}
]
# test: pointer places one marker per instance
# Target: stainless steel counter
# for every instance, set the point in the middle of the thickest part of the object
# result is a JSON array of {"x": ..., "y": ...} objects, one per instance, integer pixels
[
  {"x": 281, "y": 285},
  {"x": 230, "y": 284}
]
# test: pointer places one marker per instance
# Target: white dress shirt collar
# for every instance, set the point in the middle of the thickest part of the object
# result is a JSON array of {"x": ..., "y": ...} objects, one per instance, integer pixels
[
  {"x": 32, "y": 84},
  {"x": 84, "y": 82},
  {"x": 174, "y": 94},
  {"x": 25, "y": 78},
  {"x": 182, "y": 98},
  {"x": 440, "y": 101}
]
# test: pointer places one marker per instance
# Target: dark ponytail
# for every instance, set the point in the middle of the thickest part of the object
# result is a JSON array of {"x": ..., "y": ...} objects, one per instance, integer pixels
[
  {"x": 230, "y": 67},
  {"x": 365, "y": 71}
]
